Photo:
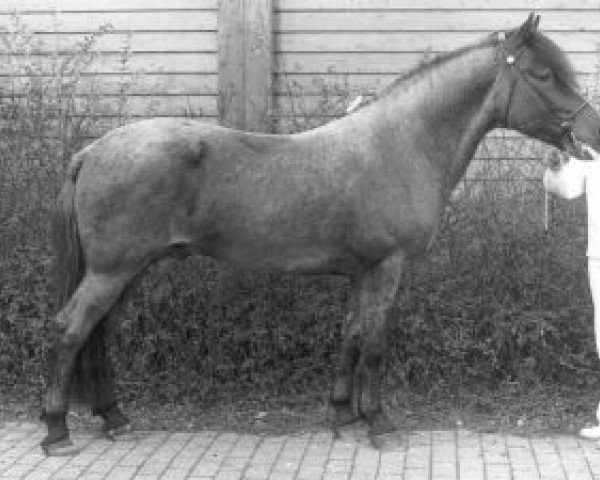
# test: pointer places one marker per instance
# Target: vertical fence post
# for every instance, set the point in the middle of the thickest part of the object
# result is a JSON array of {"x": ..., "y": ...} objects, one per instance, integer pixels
[{"x": 245, "y": 64}]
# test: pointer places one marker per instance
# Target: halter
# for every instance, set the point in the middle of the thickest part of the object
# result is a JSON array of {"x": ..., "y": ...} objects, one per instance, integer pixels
[{"x": 566, "y": 123}]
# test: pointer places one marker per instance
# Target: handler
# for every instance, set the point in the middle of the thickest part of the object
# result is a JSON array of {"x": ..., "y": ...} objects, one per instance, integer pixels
[{"x": 569, "y": 178}]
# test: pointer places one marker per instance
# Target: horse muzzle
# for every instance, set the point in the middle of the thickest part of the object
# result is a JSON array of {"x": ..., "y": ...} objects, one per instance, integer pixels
[{"x": 581, "y": 130}]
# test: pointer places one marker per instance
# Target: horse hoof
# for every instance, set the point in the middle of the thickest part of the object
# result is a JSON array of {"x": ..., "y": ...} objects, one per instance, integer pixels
[
  {"x": 343, "y": 415},
  {"x": 380, "y": 424},
  {"x": 382, "y": 432},
  {"x": 60, "y": 448},
  {"x": 386, "y": 442},
  {"x": 121, "y": 431}
]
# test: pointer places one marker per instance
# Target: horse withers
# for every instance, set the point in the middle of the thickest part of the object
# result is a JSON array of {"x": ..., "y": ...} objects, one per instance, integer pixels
[{"x": 357, "y": 197}]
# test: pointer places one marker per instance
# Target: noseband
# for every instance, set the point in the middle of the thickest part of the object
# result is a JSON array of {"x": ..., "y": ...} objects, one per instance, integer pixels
[{"x": 566, "y": 123}]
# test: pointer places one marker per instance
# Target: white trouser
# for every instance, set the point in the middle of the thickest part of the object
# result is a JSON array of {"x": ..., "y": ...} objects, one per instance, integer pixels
[
  {"x": 593, "y": 432},
  {"x": 594, "y": 274}
]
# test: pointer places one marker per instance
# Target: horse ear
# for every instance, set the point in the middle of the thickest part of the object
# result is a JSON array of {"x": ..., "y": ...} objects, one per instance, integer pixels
[{"x": 530, "y": 26}]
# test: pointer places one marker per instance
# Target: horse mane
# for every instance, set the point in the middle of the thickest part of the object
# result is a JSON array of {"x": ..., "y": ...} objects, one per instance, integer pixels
[{"x": 430, "y": 64}]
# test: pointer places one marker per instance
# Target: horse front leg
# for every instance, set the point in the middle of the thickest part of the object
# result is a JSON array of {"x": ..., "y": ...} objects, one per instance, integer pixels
[
  {"x": 378, "y": 288},
  {"x": 341, "y": 398}
]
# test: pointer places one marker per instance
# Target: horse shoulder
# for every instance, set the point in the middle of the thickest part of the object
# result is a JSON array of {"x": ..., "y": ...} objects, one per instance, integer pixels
[{"x": 398, "y": 205}]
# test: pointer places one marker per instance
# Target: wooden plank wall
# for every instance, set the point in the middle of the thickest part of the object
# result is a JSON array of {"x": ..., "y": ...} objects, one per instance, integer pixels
[{"x": 172, "y": 65}]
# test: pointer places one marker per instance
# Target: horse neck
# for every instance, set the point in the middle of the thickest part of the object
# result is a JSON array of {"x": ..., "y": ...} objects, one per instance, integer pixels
[{"x": 445, "y": 109}]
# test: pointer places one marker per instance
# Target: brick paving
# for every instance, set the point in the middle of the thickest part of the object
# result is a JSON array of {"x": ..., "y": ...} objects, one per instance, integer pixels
[{"x": 211, "y": 455}]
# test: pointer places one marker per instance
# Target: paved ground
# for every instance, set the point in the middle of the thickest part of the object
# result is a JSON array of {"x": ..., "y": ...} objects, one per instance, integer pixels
[{"x": 419, "y": 455}]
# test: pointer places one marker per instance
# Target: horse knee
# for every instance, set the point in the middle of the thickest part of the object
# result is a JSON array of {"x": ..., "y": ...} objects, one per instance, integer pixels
[
  {"x": 55, "y": 333},
  {"x": 72, "y": 341},
  {"x": 65, "y": 336},
  {"x": 58, "y": 326}
]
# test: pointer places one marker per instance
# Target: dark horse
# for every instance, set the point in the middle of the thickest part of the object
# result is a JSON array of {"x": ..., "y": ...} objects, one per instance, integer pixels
[{"x": 356, "y": 197}]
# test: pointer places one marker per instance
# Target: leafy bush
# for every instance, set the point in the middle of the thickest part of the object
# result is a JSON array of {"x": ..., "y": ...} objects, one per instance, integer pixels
[{"x": 45, "y": 116}]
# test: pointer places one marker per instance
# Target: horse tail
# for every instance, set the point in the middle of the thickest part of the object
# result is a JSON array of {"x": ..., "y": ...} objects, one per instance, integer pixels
[
  {"x": 69, "y": 263},
  {"x": 91, "y": 364}
]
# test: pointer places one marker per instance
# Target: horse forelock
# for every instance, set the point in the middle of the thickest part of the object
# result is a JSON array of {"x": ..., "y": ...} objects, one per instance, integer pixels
[{"x": 551, "y": 55}]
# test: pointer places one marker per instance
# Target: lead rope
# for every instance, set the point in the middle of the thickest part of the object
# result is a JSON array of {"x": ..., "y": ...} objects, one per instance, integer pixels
[
  {"x": 546, "y": 210},
  {"x": 544, "y": 248}
]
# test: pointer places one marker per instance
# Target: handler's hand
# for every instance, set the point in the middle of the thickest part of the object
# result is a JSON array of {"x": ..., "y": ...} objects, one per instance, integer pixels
[
  {"x": 555, "y": 159},
  {"x": 589, "y": 152}
]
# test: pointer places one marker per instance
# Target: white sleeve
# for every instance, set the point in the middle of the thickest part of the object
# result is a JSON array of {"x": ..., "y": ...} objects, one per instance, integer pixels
[{"x": 568, "y": 182}]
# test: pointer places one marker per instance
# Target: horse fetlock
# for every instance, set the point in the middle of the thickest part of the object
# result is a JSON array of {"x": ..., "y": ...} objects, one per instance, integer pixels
[
  {"x": 369, "y": 407},
  {"x": 370, "y": 395},
  {"x": 342, "y": 389},
  {"x": 114, "y": 419},
  {"x": 343, "y": 413},
  {"x": 56, "y": 422},
  {"x": 55, "y": 419}
]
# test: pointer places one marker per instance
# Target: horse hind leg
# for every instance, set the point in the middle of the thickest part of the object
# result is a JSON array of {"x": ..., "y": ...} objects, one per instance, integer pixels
[
  {"x": 98, "y": 377},
  {"x": 88, "y": 305}
]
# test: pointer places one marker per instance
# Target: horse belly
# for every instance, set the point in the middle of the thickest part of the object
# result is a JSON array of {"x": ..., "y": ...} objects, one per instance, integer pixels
[
  {"x": 306, "y": 259},
  {"x": 272, "y": 239},
  {"x": 277, "y": 249},
  {"x": 271, "y": 227}
]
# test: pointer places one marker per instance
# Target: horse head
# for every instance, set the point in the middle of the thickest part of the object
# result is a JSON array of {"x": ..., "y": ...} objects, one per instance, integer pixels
[{"x": 537, "y": 91}]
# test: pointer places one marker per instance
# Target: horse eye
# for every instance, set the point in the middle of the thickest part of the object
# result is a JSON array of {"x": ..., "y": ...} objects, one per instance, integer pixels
[{"x": 542, "y": 75}]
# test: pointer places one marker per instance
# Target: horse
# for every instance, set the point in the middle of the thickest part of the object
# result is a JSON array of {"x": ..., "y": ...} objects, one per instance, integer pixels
[{"x": 358, "y": 197}]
